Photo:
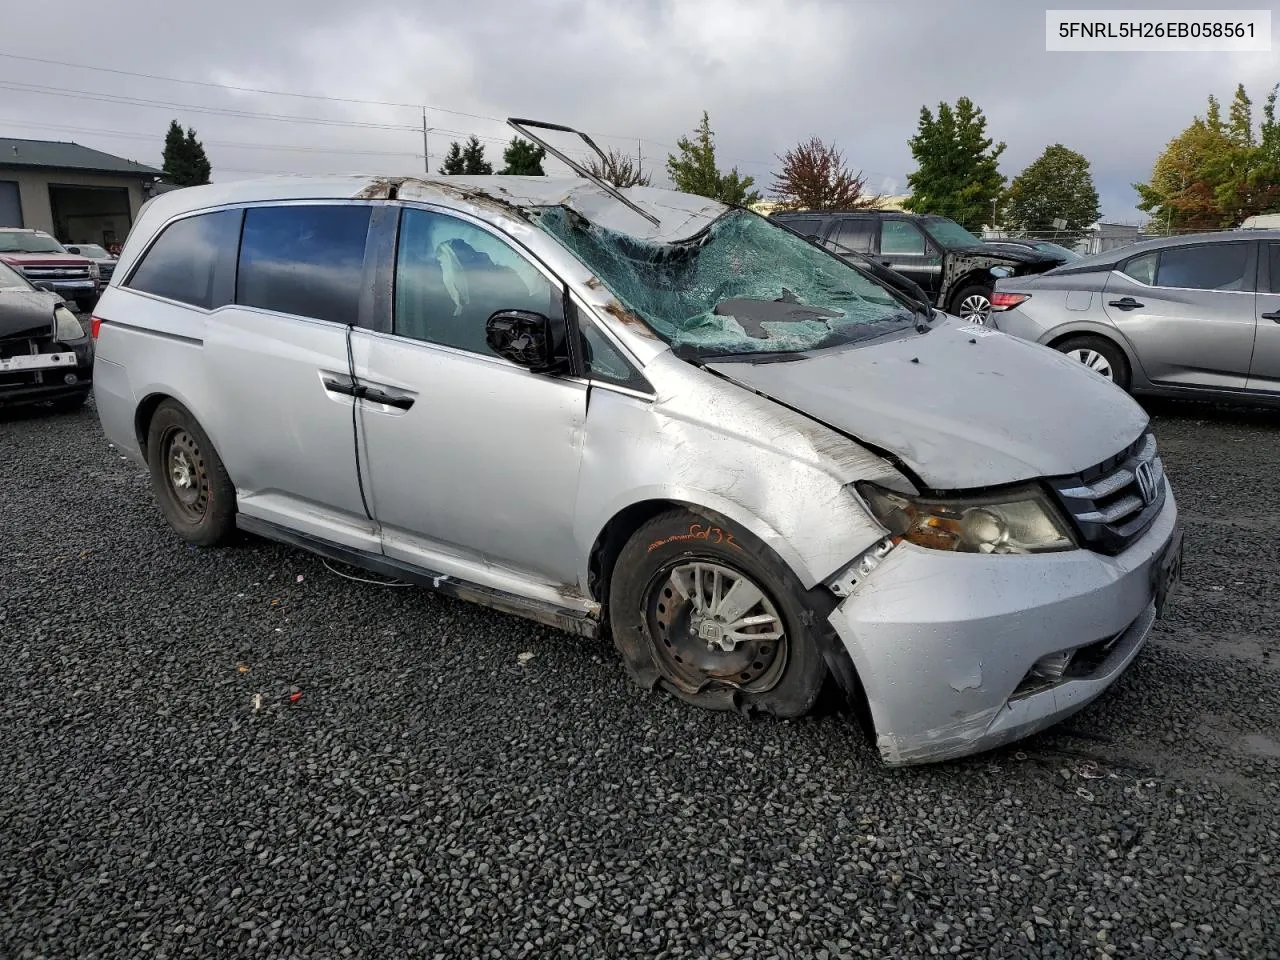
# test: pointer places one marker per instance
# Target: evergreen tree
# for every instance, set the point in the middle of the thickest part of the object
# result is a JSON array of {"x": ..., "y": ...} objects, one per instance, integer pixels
[
  {"x": 523, "y": 159},
  {"x": 452, "y": 165},
  {"x": 185, "y": 163},
  {"x": 958, "y": 173},
  {"x": 694, "y": 170}
]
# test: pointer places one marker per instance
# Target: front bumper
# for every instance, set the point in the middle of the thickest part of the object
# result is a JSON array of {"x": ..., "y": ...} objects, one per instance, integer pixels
[
  {"x": 51, "y": 384},
  {"x": 944, "y": 644}
]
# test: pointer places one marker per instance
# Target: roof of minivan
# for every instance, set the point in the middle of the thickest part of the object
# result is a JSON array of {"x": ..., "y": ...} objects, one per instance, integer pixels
[{"x": 680, "y": 215}]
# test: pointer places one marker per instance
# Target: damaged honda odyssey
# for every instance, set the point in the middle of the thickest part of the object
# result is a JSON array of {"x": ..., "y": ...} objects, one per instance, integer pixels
[{"x": 642, "y": 414}]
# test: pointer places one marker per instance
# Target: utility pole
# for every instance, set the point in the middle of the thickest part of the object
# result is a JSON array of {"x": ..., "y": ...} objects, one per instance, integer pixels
[{"x": 426, "y": 154}]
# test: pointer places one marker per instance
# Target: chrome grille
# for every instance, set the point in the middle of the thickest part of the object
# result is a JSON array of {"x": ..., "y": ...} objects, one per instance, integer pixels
[
  {"x": 56, "y": 273},
  {"x": 1115, "y": 502}
]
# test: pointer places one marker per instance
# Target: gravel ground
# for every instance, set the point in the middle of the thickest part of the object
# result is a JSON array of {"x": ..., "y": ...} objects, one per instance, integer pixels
[{"x": 164, "y": 791}]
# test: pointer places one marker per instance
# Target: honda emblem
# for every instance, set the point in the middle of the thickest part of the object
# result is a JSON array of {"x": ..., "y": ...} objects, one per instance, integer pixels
[{"x": 1146, "y": 476}]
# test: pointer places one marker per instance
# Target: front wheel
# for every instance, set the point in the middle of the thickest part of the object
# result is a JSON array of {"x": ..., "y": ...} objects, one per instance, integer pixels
[
  {"x": 190, "y": 483},
  {"x": 972, "y": 304},
  {"x": 706, "y": 611}
]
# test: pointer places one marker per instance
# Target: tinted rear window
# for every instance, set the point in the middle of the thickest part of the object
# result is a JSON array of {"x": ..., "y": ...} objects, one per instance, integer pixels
[
  {"x": 183, "y": 262},
  {"x": 304, "y": 260}
]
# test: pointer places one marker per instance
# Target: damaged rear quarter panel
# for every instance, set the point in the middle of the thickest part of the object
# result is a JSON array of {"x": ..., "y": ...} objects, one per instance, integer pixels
[{"x": 710, "y": 444}]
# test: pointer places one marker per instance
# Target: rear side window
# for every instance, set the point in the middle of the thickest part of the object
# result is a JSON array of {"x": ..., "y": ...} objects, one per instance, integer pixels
[
  {"x": 805, "y": 226},
  {"x": 1218, "y": 266},
  {"x": 854, "y": 234},
  {"x": 304, "y": 260},
  {"x": 1273, "y": 250},
  {"x": 183, "y": 263}
]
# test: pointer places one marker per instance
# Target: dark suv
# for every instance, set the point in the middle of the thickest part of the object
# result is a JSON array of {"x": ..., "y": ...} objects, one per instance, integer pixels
[{"x": 952, "y": 266}]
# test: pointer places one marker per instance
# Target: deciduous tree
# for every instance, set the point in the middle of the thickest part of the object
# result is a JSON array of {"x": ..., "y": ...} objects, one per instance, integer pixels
[
  {"x": 1056, "y": 186},
  {"x": 814, "y": 177},
  {"x": 618, "y": 169}
]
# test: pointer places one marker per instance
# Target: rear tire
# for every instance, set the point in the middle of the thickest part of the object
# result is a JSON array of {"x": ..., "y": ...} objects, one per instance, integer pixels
[
  {"x": 191, "y": 485},
  {"x": 972, "y": 303},
  {"x": 1101, "y": 356},
  {"x": 705, "y": 610}
]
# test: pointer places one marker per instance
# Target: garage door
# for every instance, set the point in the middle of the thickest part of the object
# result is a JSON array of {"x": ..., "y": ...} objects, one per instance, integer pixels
[{"x": 10, "y": 205}]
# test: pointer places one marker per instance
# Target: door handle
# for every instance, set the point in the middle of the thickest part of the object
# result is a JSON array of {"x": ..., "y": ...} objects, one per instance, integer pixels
[
  {"x": 344, "y": 387},
  {"x": 1125, "y": 303},
  {"x": 1271, "y": 316},
  {"x": 378, "y": 395}
]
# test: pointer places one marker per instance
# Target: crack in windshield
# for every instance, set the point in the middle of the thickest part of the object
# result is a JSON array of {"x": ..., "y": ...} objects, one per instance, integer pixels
[{"x": 743, "y": 285}]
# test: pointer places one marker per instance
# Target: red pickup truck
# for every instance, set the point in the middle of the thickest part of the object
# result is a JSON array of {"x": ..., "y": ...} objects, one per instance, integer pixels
[{"x": 46, "y": 263}]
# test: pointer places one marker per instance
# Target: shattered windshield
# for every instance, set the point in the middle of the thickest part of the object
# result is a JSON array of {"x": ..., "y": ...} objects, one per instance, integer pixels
[{"x": 744, "y": 285}]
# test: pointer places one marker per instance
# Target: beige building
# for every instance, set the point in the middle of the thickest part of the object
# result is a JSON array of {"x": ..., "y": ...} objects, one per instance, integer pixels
[{"x": 77, "y": 194}]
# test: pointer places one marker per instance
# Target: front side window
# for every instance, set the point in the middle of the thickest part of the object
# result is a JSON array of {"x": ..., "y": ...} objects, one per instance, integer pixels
[
  {"x": 742, "y": 285},
  {"x": 182, "y": 264},
  {"x": 452, "y": 276},
  {"x": 1218, "y": 266},
  {"x": 901, "y": 238},
  {"x": 948, "y": 233},
  {"x": 604, "y": 361},
  {"x": 305, "y": 260}
]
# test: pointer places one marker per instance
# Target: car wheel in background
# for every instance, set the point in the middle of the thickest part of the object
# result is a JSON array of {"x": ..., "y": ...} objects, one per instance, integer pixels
[
  {"x": 711, "y": 614},
  {"x": 1101, "y": 356},
  {"x": 972, "y": 303},
  {"x": 190, "y": 483}
]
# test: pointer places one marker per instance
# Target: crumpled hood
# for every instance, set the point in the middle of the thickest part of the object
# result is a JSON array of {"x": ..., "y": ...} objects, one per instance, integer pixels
[
  {"x": 1004, "y": 253},
  {"x": 961, "y": 406},
  {"x": 26, "y": 313}
]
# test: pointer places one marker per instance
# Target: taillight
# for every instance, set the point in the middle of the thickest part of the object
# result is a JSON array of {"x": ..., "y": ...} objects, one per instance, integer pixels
[
  {"x": 94, "y": 324},
  {"x": 1007, "y": 301}
]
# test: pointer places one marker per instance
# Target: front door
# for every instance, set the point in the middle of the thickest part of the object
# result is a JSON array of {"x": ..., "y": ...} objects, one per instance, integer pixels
[
  {"x": 1189, "y": 312},
  {"x": 1264, "y": 370},
  {"x": 472, "y": 460},
  {"x": 905, "y": 249}
]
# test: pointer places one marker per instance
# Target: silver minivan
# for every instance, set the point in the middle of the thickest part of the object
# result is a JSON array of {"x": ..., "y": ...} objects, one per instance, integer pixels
[{"x": 643, "y": 414}]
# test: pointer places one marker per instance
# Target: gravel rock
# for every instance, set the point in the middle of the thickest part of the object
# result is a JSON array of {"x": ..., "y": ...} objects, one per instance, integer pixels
[{"x": 161, "y": 794}]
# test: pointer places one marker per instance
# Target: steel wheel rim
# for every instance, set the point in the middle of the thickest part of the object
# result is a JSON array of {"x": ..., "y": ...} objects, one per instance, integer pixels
[
  {"x": 975, "y": 308},
  {"x": 1094, "y": 361},
  {"x": 185, "y": 474},
  {"x": 712, "y": 625}
]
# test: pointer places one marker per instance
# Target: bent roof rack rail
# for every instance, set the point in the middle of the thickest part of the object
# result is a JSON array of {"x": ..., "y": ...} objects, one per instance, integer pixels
[{"x": 521, "y": 126}]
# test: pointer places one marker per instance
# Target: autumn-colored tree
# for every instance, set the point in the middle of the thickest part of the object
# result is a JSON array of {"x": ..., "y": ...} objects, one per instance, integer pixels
[
  {"x": 1217, "y": 172},
  {"x": 814, "y": 177},
  {"x": 618, "y": 169}
]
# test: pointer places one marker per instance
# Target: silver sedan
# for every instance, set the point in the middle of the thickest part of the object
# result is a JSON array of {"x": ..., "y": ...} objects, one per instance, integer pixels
[{"x": 1194, "y": 316}]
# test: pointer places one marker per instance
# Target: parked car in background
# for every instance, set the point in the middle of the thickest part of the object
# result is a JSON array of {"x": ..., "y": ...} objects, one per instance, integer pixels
[
  {"x": 645, "y": 414},
  {"x": 98, "y": 254},
  {"x": 955, "y": 268},
  {"x": 45, "y": 354},
  {"x": 1047, "y": 247},
  {"x": 41, "y": 258},
  {"x": 1194, "y": 316}
]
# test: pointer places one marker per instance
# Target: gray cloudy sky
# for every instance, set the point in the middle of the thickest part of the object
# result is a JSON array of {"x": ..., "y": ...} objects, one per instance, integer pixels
[{"x": 770, "y": 72}]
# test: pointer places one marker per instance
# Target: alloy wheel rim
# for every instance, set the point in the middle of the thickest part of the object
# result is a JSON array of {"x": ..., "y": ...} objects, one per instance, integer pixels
[
  {"x": 1094, "y": 361},
  {"x": 185, "y": 473},
  {"x": 713, "y": 625},
  {"x": 975, "y": 308}
]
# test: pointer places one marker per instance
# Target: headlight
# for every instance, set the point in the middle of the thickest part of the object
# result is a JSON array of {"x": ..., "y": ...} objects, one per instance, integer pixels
[
  {"x": 68, "y": 327},
  {"x": 95, "y": 271},
  {"x": 1014, "y": 521}
]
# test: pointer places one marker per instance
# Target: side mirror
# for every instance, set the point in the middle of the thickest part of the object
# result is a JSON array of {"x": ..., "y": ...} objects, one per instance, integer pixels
[
  {"x": 75, "y": 250},
  {"x": 523, "y": 337}
]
